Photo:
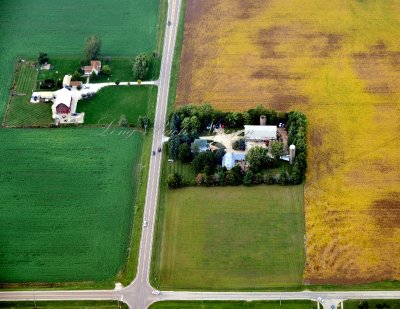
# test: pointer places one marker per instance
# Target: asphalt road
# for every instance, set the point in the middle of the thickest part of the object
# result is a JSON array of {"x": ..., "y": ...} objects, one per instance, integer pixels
[{"x": 138, "y": 294}]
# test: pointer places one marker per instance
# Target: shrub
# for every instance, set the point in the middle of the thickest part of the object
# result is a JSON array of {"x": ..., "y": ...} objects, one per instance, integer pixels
[
  {"x": 117, "y": 82},
  {"x": 174, "y": 181},
  {"x": 239, "y": 144},
  {"x": 123, "y": 122},
  {"x": 248, "y": 178},
  {"x": 106, "y": 70}
]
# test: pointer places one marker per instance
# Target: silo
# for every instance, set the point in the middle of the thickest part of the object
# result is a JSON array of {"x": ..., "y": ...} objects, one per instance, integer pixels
[
  {"x": 292, "y": 153},
  {"x": 263, "y": 120}
]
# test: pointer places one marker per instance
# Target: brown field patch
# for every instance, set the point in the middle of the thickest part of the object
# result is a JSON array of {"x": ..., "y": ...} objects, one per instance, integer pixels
[{"x": 339, "y": 62}]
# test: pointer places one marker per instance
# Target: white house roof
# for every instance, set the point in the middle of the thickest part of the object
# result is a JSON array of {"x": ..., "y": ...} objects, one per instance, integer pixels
[
  {"x": 229, "y": 159},
  {"x": 63, "y": 96},
  {"x": 260, "y": 132},
  {"x": 67, "y": 80}
]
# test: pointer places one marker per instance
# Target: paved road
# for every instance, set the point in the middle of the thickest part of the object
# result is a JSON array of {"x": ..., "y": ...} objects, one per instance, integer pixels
[{"x": 138, "y": 294}]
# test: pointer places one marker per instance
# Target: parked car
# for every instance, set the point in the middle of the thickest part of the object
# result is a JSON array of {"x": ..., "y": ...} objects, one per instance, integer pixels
[{"x": 159, "y": 149}]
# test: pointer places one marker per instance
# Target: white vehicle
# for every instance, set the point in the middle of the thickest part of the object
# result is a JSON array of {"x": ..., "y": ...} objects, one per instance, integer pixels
[
  {"x": 145, "y": 223},
  {"x": 86, "y": 86},
  {"x": 321, "y": 300},
  {"x": 156, "y": 292},
  {"x": 170, "y": 160}
]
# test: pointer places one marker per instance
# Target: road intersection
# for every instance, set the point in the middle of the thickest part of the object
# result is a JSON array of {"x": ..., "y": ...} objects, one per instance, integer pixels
[{"x": 139, "y": 294}]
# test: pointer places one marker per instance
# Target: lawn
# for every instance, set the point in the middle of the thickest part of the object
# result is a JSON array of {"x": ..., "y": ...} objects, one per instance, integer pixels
[
  {"x": 336, "y": 61},
  {"x": 373, "y": 303},
  {"x": 63, "y": 304},
  {"x": 27, "y": 28},
  {"x": 121, "y": 68},
  {"x": 111, "y": 102},
  {"x": 66, "y": 201},
  {"x": 229, "y": 238},
  {"x": 235, "y": 304}
]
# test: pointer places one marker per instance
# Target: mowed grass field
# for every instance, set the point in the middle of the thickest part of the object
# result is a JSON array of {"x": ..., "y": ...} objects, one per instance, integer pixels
[
  {"x": 64, "y": 304},
  {"x": 338, "y": 62},
  {"x": 27, "y": 28},
  {"x": 66, "y": 200},
  {"x": 110, "y": 103},
  {"x": 235, "y": 304},
  {"x": 231, "y": 238}
]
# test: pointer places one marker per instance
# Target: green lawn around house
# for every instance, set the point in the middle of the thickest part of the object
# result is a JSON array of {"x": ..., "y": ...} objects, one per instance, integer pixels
[
  {"x": 305, "y": 304},
  {"x": 111, "y": 102},
  {"x": 66, "y": 203},
  {"x": 229, "y": 238},
  {"x": 121, "y": 68},
  {"x": 64, "y": 304}
]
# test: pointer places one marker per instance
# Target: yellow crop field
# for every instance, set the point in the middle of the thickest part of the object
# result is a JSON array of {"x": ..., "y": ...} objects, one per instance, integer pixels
[{"x": 338, "y": 61}]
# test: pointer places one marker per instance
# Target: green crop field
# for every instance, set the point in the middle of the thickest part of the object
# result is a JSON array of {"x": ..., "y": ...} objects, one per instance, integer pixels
[
  {"x": 230, "y": 238},
  {"x": 66, "y": 200},
  {"x": 373, "y": 303},
  {"x": 111, "y": 102},
  {"x": 235, "y": 304},
  {"x": 126, "y": 28},
  {"x": 63, "y": 304}
]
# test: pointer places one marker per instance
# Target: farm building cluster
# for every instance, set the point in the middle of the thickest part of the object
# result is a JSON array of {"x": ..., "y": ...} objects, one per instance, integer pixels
[
  {"x": 65, "y": 99},
  {"x": 253, "y": 135}
]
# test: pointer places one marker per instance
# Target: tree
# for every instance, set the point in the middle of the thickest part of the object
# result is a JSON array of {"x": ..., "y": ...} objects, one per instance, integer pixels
[
  {"x": 76, "y": 76},
  {"x": 93, "y": 76},
  {"x": 276, "y": 150},
  {"x": 174, "y": 123},
  {"x": 194, "y": 123},
  {"x": 92, "y": 47},
  {"x": 204, "y": 162},
  {"x": 174, "y": 181},
  {"x": 185, "y": 155},
  {"x": 144, "y": 122},
  {"x": 257, "y": 158},
  {"x": 173, "y": 146},
  {"x": 106, "y": 70},
  {"x": 246, "y": 118},
  {"x": 141, "y": 66},
  {"x": 43, "y": 58},
  {"x": 218, "y": 155}
]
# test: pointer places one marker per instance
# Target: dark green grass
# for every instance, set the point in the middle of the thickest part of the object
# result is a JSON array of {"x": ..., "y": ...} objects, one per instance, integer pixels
[
  {"x": 353, "y": 304},
  {"x": 235, "y": 304},
  {"x": 66, "y": 198},
  {"x": 64, "y": 304},
  {"x": 121, "y": 68},
  {"x": 58, "y": 28},
  {"x": 230, "y": 238},
  {"x": 111, "y": 102}
]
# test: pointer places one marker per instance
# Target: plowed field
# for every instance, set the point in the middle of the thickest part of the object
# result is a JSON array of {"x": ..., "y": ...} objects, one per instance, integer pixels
[{"x": 339, "y": 62}]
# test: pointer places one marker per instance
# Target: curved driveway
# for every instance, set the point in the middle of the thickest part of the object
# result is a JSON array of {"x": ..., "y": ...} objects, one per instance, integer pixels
[{"x": 138, "y": 294}]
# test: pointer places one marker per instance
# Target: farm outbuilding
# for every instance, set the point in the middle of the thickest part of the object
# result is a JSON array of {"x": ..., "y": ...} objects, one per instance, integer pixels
[{"x": 260, "y": 133}]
